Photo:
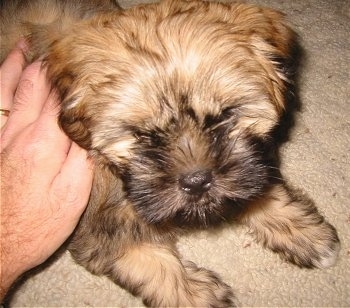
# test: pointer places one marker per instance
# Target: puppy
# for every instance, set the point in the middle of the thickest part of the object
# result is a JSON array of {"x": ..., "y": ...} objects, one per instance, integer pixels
[{"x": 177, "y": 103}]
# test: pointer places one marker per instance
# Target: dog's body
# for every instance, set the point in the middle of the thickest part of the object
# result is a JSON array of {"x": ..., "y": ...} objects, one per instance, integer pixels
[{"x": 176, "y": 102}]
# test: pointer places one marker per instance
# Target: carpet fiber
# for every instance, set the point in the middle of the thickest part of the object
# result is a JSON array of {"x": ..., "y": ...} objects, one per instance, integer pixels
[{"x": 317, "y": 159}]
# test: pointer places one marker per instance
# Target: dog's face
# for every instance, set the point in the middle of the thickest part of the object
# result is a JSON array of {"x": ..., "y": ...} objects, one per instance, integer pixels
[{"x": 176, "y": 98}]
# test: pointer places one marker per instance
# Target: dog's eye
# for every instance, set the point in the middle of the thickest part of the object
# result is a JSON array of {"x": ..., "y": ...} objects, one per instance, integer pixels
[
  {"x": 209, "y": 121},
  {"x": 152, "y": 137},
  {"x": 228, "y": 113},
  {"x": 139, "y": 135},
  {"x": 212, "y": 121}
]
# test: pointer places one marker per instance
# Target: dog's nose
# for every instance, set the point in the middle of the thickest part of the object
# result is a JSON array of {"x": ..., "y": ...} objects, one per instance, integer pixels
[{"x": 197, "y": 182}]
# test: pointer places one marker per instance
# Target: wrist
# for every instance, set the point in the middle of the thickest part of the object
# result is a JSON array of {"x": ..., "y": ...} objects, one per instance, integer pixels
[
  {"x": 6, "y": 282},
  {"x": 9, "y": 272}
]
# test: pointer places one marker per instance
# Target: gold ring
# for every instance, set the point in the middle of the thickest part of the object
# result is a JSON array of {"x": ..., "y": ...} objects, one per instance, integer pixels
[{"x": 4, "y": 112}]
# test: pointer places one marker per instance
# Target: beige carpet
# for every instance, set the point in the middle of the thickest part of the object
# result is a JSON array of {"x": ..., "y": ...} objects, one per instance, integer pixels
[{"x": 317, "y": 158}]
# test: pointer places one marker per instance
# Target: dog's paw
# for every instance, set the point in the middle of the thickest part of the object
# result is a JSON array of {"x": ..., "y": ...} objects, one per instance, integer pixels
[
  {"x": 195, "y": 287},
  {"x": 315, "y": 245},
  {"x": 158, "y": 276},
  {"x": 287, "y": 222},
  {"x": 323, "y": 247},
  {"x": 205, "y": 288}
]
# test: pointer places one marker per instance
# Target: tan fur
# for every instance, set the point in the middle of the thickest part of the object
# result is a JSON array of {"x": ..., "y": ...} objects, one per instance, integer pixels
[
  {"x": 287, "y": 222},
  {"x": 17, "y": 16},
  {"x": 167, "y": 281},
  {"x": 176, "y": 102}
]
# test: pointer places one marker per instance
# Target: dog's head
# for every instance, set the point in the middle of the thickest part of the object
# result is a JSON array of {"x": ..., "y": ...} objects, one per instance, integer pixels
[{"x": 177, "y": 98}]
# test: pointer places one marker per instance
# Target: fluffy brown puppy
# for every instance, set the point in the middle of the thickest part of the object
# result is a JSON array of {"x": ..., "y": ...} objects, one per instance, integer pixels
[{"x": 176, "y": 102}]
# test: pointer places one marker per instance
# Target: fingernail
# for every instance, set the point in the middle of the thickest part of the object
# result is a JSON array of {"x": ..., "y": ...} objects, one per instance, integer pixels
[{"x": 23, "y": 45}]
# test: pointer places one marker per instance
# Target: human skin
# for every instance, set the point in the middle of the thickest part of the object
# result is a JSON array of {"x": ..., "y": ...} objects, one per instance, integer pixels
[{"x": 45, "y": 178}]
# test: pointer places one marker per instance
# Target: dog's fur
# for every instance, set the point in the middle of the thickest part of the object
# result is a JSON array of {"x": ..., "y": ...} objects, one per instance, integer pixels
[{"x": 177, "y": 103}]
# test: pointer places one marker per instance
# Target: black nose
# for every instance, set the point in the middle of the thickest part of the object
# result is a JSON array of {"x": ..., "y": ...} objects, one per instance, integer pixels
[{"x": 197, "y": 182}]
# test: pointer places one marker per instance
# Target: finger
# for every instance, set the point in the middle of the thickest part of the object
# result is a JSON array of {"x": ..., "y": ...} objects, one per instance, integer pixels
[
  {"x": 55, "y": 143},
  {"x": 31, "y": 94},
  {"x": 69, "y": 192},
  {"x": 49, "y": 121},
  {"x": 32, "y": 91},
  {"x": 10, "y": 73},
  {"x": 52, "y": 106},
  {"x": 42, "y": 144},
  {"x": 73, "y": 184}
]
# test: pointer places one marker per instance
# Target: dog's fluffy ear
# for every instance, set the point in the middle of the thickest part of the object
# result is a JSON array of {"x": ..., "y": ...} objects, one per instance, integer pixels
[
  {"x": 71, "y": 65},
  {"x": 52, "y": 47},
  {"x": 274, "y": 44},
  {"x": 48, "y": 27},
  {"x": 262, "y": 36}
]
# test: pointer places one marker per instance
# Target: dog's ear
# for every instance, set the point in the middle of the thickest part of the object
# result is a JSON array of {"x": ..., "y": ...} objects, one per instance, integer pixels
[
  {"x": 255, "y": 48},
  {"x": 67, "y": 69},
  {"x": 274, "y": 44},
  {"x": 65, "y": 77},
  {"x": 56, "y": 41}
]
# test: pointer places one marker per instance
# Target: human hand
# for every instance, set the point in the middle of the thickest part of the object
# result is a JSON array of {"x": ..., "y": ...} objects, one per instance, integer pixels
[{"x": 45, "y": 178}]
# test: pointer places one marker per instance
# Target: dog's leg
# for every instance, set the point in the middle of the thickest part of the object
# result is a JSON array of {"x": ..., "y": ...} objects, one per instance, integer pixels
[
  {"x": 155, "y": 273},
  {"x": 291, "y": 226}
]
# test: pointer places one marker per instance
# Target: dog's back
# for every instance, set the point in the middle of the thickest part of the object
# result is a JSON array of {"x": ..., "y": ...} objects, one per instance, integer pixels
[{"x": 17, "y": 17}]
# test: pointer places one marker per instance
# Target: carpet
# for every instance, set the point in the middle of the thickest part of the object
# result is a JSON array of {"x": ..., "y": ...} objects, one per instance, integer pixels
[{"x": 317, "y": 159}]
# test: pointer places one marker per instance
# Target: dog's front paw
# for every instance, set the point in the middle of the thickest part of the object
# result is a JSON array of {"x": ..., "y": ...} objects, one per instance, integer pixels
[
  {"x": 328, "y": 257},
  {"x": 205, "y": 288},
  {"x": 195, "y": 287},
  {"x": 157, "y": 275},
  {"x": 314, "y": 246},
  {"x": 288, "y": 223},
  {"x": 304, "y": 237}
]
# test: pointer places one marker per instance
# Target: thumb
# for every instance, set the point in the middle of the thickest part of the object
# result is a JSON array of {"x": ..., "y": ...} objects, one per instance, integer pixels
[{"x": 72, "y": 186}]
